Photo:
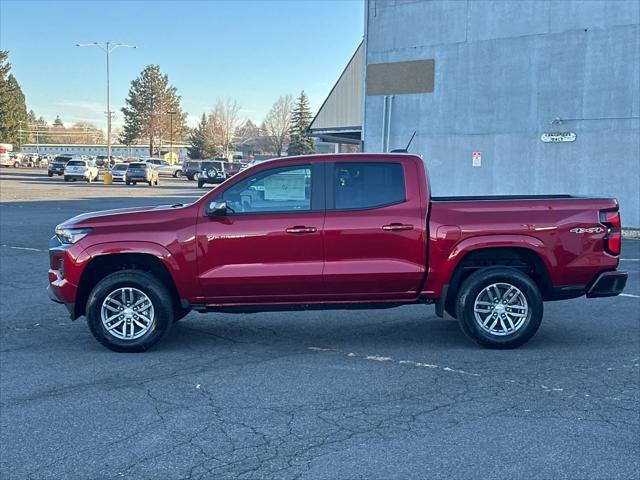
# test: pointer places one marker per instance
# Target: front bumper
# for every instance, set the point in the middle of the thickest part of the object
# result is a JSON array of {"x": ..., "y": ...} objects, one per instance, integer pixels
[
  {"x": 60, "y": 289},
  {"x": 608, "y": 284}
]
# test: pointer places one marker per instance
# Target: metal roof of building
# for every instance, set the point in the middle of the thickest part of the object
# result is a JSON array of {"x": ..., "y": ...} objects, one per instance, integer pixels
[{"x": 341, "y": 112}]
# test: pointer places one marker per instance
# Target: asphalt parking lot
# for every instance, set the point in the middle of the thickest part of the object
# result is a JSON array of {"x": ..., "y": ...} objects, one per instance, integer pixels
[{"x": 319, "y": 395}]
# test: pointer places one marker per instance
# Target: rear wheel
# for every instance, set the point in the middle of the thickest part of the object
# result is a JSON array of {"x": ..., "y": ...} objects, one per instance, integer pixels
[
  {"x": 49, "y": 174},
  {"x": 129, "y": 311},
  {"x": 195, "y": 176},
  {"x": 178, "y": 174},
  {"x": 200, "y": 183},
  {"x": 499, "y": 307}
]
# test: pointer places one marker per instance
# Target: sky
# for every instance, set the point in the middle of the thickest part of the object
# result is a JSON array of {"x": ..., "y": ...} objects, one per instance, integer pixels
[{"x": 252, "y": 51}]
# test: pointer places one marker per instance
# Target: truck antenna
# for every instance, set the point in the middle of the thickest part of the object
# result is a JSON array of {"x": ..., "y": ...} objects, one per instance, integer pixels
[{"x": 406, "y": 149}]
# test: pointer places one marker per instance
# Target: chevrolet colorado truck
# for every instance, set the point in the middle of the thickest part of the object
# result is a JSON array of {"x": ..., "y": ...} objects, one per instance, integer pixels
[{"x": 335, "y": 232}]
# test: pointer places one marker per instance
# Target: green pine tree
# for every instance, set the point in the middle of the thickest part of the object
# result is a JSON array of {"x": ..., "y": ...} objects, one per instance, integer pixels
[
  {"x": 299, "y": 143},
  {"x": 146, "y": 116},
  {"x": 13, "y": 109},
  {"x": 200, "y": 144}
]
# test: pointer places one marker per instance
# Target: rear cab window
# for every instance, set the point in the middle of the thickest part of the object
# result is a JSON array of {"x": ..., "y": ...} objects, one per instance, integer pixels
[{"x": 362, "y": 185}]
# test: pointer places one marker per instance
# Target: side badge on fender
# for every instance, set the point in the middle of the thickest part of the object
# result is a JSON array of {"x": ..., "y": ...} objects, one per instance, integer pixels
[{"x": 587, "y": 230}]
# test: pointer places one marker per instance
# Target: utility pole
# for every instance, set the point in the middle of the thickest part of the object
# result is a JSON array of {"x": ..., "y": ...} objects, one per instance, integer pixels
[
  {"x": 107, "y": 47},
  {"x": 171, "y": 113}
]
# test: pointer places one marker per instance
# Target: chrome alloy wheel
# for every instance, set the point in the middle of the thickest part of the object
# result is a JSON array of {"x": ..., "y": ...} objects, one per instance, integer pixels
[
  {"x": 501, "y": 309},
  {"x": 127, "y": 313}
]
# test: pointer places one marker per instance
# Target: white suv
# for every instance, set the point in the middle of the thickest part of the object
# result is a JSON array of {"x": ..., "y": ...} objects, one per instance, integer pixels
[{"x": 78, "y": 169}]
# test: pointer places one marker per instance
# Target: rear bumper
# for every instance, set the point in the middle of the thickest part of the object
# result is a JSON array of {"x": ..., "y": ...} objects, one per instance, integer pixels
[{"x": 608, "y": 284}]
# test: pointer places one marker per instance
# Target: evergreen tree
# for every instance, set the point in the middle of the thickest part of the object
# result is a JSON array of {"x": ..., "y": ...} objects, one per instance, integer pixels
[
  {"x": 146, "y": 115},
  {"x": 299, "y": 143},
  {"x": 200, "y": 144},
  {"x": 13, "y": 109}
]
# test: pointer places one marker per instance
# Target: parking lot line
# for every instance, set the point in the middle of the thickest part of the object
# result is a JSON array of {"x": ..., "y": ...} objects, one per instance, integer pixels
[{"x": 24, "y": 248}]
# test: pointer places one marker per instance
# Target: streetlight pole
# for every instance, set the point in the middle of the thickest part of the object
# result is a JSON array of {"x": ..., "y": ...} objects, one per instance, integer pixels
[
  {"x": 171, "y": 113},
  {"x": 107, "y": 47}
]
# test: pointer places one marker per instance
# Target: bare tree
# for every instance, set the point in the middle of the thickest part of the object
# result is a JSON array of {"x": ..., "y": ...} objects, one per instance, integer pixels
[
  {"x": 223, "y": 122},
  {"x": 277, "y": 123}
]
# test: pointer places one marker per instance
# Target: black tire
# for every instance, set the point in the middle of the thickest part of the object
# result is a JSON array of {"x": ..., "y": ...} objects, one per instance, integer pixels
[
  {"x": 178, "y": 174},
  {"x": 128, "y": 182},
  {"x": 134, "y": 183},
  {"x": 49, "y": 175},
  {"x": 150, "y": 182},
  {"x": 148, "y": 284},
  {"x": 475, "y": 284},
  {"x": 195, "y": 176},
  {"x": 157, "y": 181},
  {"x": 200, "y": 184}
]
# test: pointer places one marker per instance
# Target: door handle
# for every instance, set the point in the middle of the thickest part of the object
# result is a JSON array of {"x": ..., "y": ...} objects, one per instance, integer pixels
[
  {"x": 301, "y": 230},
  {"x": 395, "y": 227}
]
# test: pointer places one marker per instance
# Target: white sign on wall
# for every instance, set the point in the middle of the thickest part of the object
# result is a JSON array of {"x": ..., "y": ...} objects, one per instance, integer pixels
[
  {"x": 476, "y": 159},
  {"x": 557, "y": 137}
]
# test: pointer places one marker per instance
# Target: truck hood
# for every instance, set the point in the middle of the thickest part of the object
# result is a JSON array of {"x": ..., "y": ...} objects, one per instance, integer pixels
[{"x": 119, "y": 214}]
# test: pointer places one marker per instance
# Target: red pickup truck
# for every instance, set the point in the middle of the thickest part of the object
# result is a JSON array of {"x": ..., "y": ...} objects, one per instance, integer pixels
[{"x": 335, "y": 232}]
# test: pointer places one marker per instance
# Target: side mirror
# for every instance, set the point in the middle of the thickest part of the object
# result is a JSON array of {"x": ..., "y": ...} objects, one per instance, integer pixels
[{"x": 217, "y": 209}]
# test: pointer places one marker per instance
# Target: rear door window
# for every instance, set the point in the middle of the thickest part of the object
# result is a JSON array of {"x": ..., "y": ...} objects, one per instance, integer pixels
[{"x": 361, "y": 185}]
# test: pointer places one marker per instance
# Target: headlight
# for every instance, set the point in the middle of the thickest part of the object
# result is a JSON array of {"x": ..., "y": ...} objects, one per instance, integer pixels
[{"x": 71, "y": 235}]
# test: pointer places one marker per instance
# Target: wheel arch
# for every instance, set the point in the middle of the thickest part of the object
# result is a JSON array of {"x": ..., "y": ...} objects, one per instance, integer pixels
[
  {"x": 104, "y": 263},
  {"x": 528, "y": 255}
]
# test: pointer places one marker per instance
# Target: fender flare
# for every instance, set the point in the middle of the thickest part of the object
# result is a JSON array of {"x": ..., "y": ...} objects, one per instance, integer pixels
[
  {"x": 140, "y": 248},
  {"x": 484, "y": 242}
]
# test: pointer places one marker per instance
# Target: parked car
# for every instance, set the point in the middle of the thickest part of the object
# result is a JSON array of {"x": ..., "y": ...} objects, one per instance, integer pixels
[
  {"x": 164, "y": 168},
  {"x": 211, "y": 171},
  {"x": 80, "y": 170},
  {"x": 56, "y": 166},
  {"x": 119, "y": 171},
  {"x": 191, "y": 169},
  {"x": 105, "y": 161},
  {"x": 335, "y": 231},
  {"x": 141, "y": 172}
]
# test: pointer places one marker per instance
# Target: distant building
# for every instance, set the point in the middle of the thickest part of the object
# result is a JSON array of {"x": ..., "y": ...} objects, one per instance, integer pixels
[{"x": 116, "y": 150}]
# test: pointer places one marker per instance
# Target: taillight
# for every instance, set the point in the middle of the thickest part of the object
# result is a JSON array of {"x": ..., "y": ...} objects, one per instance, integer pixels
[{"x": 613, "y": 238}]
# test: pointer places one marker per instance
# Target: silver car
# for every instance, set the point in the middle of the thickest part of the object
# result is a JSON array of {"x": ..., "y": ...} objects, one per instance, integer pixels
[
  {"x": 164, "y": 168},
  {"x": 118, "y": 172}
]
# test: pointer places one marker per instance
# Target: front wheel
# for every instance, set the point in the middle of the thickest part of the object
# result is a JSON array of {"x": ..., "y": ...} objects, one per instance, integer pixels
[
  {"x": 129, "y": 311},
  {"x": 499, "y": 307},
  {"x": 49, "y": 174},
  {"x": 178, "y": 174}
]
